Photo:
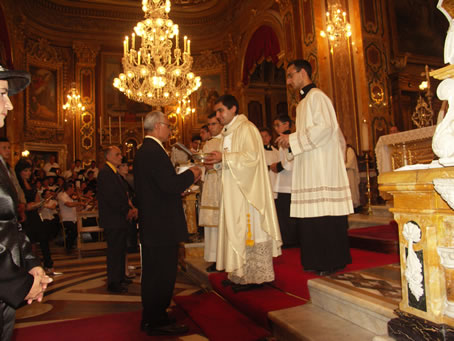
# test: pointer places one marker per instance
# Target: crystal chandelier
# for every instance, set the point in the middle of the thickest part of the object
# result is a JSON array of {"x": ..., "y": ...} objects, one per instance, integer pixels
[
  {"x": 73, "y": 103},
  {"x": 154, "y": 73},
  {"x": 337, "y": 26},
  {"x": 184, "y": 108}
]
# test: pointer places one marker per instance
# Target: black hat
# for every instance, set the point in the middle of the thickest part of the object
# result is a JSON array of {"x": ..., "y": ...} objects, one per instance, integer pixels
[{"x": 17, "y": 80}]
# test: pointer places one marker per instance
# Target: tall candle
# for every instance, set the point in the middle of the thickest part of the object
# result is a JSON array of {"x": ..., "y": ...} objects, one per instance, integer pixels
[
  {"x": 110, "y": 130},
  {"x": 189, "y": 47},
  {"x": 185, "y": 44},
  {"x": 127, "y": 43},
  {"x": 364, "y": 136},
  {"x": 133, "y": 43},
  {"x": 138, "y": 58},
  {"x": 119, "y": 127}
]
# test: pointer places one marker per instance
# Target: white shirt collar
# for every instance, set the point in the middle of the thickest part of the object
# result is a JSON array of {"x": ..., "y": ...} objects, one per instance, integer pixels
[{"x": 158, "y": 141}]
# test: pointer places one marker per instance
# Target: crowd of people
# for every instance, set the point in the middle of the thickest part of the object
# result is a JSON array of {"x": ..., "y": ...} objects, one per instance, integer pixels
[{"x": 256, "y": 198}]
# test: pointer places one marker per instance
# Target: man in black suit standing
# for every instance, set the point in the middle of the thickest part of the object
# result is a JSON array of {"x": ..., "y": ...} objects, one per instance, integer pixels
[
  {"x": 162, "y": 224},
  {"x": 21, "y": 277},
  {"x": 114, "y": 216}
]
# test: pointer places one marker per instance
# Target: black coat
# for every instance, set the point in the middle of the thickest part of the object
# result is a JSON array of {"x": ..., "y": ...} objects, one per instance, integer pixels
[
  {"x": 112, "y": 198},
  {"x": 16, "y": 257},
  {"x": 158, "y": 192}
]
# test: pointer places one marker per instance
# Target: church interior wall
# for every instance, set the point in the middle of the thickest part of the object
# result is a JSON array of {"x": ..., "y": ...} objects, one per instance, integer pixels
[{"x": 375, "y": 79}]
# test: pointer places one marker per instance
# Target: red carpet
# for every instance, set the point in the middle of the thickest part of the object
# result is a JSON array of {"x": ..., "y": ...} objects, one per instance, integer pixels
[
  {"x": 115, "y": 327},
  {"x": 255, "y": 303},
  {"x": 290, "y": 278},
  {"x": 384, "y": 232},
  {"x": 219, "y": 320}
]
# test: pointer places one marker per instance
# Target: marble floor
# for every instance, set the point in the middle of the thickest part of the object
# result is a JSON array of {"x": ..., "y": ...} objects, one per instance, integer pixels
[{"x": 81, "y": 291}]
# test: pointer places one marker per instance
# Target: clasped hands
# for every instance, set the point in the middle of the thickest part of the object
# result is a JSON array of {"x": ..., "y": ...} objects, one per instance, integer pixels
[
  {"x": 40, "y": 282},
  {"x": 283, "y": 141},
  {"x": 213, "y": 157}
]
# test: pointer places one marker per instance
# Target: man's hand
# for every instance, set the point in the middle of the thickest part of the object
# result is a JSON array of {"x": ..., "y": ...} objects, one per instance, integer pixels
[
  {"x": 283, "y": 141},
  {"x": 40, "y": 283},
  {"x": 197, "y": 173},
  {"x": 213, "y": 157},
  {"x": 273, "y": 167}
]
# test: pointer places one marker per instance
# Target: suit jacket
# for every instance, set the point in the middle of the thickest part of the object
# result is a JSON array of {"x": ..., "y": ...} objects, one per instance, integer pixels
[
  {"x": 158, "y": 192},
  {"x": 112, "y": 198},
  {"x": 16, "y": 257}
]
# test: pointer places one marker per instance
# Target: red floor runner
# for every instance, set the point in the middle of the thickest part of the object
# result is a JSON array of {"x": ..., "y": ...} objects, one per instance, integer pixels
[
  {"x": 114, "y": 327},
  {"x": 290, "y": 278},
  {"x": 255, "y": 303},
  {"x": 383, "y": 232},
  {"x": 219, "y": 320}
]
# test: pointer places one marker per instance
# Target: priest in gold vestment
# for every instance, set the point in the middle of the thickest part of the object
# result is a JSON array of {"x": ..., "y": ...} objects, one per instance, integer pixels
[
  {"x": 211, "y": 194},
  {"x": 249, "y": 235}
]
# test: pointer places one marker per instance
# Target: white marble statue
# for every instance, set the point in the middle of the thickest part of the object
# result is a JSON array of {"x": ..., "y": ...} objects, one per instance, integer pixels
[
  {"x": 444, "y": 134},
  {"x": 449, "y": 42}
]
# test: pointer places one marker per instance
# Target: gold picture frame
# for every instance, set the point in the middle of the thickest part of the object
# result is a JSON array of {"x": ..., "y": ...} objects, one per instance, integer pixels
[{"x": 44, "y": 95}]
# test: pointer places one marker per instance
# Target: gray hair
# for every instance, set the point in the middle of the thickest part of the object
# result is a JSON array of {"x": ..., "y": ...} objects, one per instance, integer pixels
[
  {"x": 108, "y": 150},
  {"x": 151, "y": 119}
]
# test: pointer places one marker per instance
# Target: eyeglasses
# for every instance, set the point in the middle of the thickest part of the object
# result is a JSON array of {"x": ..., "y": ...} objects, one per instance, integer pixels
[
  {"x": 213, "y": 124},
  {"x": 166, "y": 124},
  {"x": 290, "y": 75}
]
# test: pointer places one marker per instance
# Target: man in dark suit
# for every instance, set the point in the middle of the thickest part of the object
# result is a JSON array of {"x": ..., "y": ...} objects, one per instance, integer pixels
[
  {"x": 114, "y": 216},
  {"x": 21, "y": 277},
  {"x": 162, "y": 224}
]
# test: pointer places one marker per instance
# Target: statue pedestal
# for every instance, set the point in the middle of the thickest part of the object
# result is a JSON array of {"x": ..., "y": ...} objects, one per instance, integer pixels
[{"x": 426, "y": 229}]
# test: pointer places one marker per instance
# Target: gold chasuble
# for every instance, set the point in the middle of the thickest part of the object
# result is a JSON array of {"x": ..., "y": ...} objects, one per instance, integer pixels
[{"x": 249, "y": 233}]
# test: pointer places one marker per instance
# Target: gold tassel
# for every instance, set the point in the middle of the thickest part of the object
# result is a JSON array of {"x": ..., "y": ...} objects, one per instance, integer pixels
[{"x": 249, "y": 241}]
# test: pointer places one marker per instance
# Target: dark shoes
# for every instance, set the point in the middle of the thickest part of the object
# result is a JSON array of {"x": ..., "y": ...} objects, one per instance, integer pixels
[
  {"x": 328, "y": 272},
  {"x": 212, "y": 268},
  {"x": 117, "y": 289},
  {"x": 168, "y": 329}
]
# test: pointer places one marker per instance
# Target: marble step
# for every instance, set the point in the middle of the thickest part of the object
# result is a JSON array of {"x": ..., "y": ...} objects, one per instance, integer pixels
[
  {"x": 311, "y": 323},
  {"x": 356, "y": 221},
  {"x": 382, "y": 211},
  {"x": 361, "y": 298},
  {"x": 196, "y": 269}
]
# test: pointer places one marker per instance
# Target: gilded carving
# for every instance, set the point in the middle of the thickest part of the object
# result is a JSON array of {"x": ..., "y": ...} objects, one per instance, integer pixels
[
  {"x": 284, "y": 5},
  {"x": 42, "y": 50},
  {"x": 86, "y": 54},
  {"x": 207, "y": 60}
]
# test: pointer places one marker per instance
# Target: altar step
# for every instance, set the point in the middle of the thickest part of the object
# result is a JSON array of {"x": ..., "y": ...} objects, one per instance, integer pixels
[
  {"x": 360, "y": 220},
  {"x": 352, "y": 306}
]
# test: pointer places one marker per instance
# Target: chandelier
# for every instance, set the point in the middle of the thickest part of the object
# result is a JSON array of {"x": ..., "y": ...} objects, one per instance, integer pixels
[
  {"x": 184, "y": 108},
  {"x": 157, "y": 72},
  {"x": 337, "y": 26},
  {"x": 73, "y": 103}
]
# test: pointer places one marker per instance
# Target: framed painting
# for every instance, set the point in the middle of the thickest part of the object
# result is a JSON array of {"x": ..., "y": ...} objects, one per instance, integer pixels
[
  {"x": 203, "y": 99},
  {"x": 114, "y": 102},
  {"x": 43, "y": 96},
  {"x": 420, "y": 28}
]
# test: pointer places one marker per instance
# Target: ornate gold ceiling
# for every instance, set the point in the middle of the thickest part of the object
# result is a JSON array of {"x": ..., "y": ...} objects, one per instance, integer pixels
[{"x": 107, "y": 21}]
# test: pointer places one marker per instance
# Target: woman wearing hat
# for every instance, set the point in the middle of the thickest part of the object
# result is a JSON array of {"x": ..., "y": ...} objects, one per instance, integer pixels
[{"x": 21, "y": 277}]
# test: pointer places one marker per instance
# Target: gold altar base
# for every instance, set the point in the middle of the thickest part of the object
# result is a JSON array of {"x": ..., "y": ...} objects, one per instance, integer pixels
[{"x": 415, "y": 200}]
